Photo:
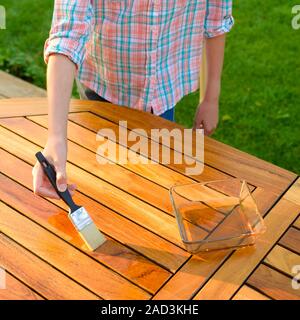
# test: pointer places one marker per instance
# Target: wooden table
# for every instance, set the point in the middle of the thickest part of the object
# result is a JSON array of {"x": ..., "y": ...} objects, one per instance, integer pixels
[{"x": 143, "y": 258}]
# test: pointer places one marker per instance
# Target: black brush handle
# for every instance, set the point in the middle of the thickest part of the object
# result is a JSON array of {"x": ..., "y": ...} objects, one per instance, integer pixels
[{"x": 51, "y": 175}]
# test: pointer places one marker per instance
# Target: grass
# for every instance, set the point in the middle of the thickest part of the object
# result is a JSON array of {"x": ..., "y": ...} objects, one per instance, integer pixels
[
  {"x": 259, "y": 105},
  {"x": 21, "y": 44}
]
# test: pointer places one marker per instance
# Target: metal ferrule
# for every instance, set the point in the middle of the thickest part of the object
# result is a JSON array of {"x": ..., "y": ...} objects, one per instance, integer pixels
[{"x": 80, "y": 218}]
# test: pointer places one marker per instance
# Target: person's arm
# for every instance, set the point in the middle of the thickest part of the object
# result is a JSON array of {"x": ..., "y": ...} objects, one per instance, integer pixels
[
  {"x": 218, "y": 21},
  {"x": 207, "y": 113},
  {"x": 60, "y": 78},
  {"x": 64, "y": 52},
  {"x": 215, "y": 56}
]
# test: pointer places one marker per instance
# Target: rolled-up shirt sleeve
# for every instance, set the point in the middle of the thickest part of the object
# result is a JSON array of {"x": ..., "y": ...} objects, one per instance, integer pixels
[
  {"x": 218, "y": 19},
  {"x": 70, "y": 29}
]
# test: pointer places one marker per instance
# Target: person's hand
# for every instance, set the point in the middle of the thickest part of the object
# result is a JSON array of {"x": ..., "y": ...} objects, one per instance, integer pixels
[
  {"x": 55, "y": 152},
  {"x": 207, "y": 116}
]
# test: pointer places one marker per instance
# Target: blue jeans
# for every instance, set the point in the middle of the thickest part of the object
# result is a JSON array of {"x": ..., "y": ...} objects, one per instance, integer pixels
[
  {"x": 91, "y": 95},
  {"x": 169, "y": 114}
]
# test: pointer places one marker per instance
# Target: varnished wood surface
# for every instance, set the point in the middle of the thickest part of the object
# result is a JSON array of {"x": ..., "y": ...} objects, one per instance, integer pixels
[
  {"x": 248, "y": 293},
  {"x": 143, "y": 257}
]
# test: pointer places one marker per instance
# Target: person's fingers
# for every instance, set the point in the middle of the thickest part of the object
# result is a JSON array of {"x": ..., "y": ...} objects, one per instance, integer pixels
[
  {"x": 61, "y": 178},
  {"x": 37, "y": 173},
  {"x": 199, "y": 120},
  {"x": 200, "y": 126},
  {"x": 72, "y": 186},
  {"x": 205, "y": 127},
  {"x": 44, "y": 191},
  {"x": 212, "y": 128},
  {"x": 198, "y": 123},
  {"x": 209, "y": 130},
  {"x": 49, "y": 192},
  {"x": 212, "y": 131},
  {"x": 39, "y": 186},
  {"x": 34, "y": 168}
]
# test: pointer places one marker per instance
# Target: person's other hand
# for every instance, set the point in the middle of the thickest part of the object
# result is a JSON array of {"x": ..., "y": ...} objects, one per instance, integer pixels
[
  {"x": 55, "y": 152},
  {"x": 207, "y": 116}
]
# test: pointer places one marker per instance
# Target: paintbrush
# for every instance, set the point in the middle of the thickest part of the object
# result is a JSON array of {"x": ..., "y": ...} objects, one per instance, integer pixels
[{"x": 80, "y": 218}]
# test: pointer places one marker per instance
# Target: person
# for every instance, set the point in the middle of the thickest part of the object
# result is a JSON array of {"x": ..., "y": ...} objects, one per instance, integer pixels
[{"x": 144, "y": 54}]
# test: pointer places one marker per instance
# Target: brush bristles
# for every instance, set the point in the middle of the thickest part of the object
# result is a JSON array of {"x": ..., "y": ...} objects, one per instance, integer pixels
[{"x": 92, "y": 236}]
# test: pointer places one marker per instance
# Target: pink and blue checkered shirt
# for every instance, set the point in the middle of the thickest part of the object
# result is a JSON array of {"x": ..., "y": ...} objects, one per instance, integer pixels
[{"x": 138, "y": 53}]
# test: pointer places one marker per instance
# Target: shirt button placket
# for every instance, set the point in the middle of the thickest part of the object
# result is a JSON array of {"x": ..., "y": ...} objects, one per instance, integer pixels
[{"x": 154, "y": 37}]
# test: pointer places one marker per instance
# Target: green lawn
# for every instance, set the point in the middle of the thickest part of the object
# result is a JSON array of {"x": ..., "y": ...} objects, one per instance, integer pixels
[{"x": 259, "y": 107}]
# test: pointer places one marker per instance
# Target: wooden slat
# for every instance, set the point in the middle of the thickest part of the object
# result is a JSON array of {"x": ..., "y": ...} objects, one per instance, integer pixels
[
  {"x": 116, "y": 199},
  {"x": 11, "y": 86},
  {"x": 18, "y": 107},
  {"x": 128, "y": 263},
  {"x": 282, "y": 259},
  {"x": 38, "y": 274},
  {"x": 297, "y": 223},
  {"x": 240, "y": 164},
  {"x": 66, "y": 258},
  {"x": 226, "y": 281},
  {"x": 185, "y": 283},
  {"x": 118, "y": 227},
  {"x": 264, "y": 200},
  {"x": 293, "y": 194},
  {"x": 230, "y": 160},
  {"x": 16, "y": 290},
  {"x": 192, "y": 276},
  {"x": 291, "y": 240},
  {"x": 274, "y": 284},
  {"x": 247, "y": 293}
]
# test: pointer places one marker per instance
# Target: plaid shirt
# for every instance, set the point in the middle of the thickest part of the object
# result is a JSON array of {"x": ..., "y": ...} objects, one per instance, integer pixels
[{"x": 138, "y": 53}]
